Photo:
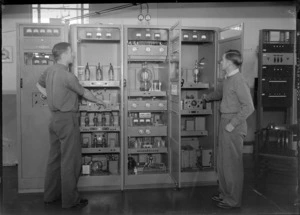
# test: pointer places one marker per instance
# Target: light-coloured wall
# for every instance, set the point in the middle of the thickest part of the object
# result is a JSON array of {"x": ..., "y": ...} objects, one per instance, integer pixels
[
  {"x": 11, "y": 15},
  {"x": 255, "y": 16}
]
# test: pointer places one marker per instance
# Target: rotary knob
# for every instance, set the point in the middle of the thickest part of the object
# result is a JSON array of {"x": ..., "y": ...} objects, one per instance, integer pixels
[
  {"x": 141, "y": 131},
  {"x": 134, "y": 105},
  {"x": 148, "y": 105},
  {"x": 161, "y": 105},
  {"x": 134, "y": 49},
  {"x": 147, "y": 131},
  {"x": 193, "y": 103},
  {"x": 148, "y": 49},
  {"x": 161, "y": 49}
]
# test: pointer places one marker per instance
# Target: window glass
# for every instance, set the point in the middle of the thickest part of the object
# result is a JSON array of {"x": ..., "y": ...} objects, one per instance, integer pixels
[
  {"x": 35, "y": 18},
  {"x": 59, "y": 11},
  {"x": 86, "y": 20}
]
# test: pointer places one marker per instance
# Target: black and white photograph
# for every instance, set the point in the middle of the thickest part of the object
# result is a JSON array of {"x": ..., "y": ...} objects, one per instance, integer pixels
[{"x": 150, "y": 107}]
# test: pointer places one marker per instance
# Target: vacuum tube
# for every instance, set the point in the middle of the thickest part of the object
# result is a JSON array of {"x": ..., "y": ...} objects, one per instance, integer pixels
[{"x": 145, "y": 76}]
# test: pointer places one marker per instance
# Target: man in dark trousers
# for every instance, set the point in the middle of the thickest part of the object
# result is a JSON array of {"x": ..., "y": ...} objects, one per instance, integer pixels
[
  {"x": 62, "y": 89},
  {"x": 236, "y": 106}
]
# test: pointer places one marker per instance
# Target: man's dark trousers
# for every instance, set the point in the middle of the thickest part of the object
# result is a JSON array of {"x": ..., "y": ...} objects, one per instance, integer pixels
[{"x": 64, "y": 162}]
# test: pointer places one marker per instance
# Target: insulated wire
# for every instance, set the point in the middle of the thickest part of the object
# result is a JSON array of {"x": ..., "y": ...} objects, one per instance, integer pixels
[{"x": 103, "y": 11}]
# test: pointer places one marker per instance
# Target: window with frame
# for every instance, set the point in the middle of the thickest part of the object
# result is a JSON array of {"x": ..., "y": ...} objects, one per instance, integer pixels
[{"x": 42, "y": 13}]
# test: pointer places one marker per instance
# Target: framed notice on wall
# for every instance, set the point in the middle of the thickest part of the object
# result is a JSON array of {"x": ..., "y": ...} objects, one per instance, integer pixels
[{"x": 7, "y": 54}]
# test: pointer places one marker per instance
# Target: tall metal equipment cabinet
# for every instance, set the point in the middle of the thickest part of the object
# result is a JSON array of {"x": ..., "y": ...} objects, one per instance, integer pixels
[
  {"x": 147, "y": 149},
  {"x": 275, "y": 76},
  {"x": 193, "y": 124},
  {"x": 98, "y": 65},
  {"x": 34, "y": 55},
  {"x": 276, "y": 100}
]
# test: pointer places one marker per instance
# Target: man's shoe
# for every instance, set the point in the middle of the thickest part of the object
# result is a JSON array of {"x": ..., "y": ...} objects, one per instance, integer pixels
[
  {"x": 216, "y": 198},
  {"x": 82, "y": 203},
  {"x": 225, "y": 205}
]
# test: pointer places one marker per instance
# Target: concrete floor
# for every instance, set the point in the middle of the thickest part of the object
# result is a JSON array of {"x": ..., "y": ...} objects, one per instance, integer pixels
[{"x": 276, "y": 198}]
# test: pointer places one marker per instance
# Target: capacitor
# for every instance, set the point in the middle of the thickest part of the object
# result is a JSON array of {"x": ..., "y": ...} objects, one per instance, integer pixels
[
  {"x": 87, "y": 120},
  {"x": 107, "y": 119},
  {"x": 203, "y": 104},
  {"x": 111, "y": 73},
  {"x": 87, "y": 72},
  {"x": 91, "y": 119},
  {"x": 99, "y": 119},
  {"x": 112, "y": 120},
  {"x": 196, "y": 72},
  {"x": 103, "y": 120},
  {"x": 99, "y": 141},
  {"x": 104, "y": 142},
  {"x": 94, "y": 144},
  {"x": 95, "y": 120},
  {"x": 99, "y": 73}
]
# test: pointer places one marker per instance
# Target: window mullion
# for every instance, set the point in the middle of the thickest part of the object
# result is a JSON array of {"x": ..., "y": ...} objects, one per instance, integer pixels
[{"x": 39, "y": 13}]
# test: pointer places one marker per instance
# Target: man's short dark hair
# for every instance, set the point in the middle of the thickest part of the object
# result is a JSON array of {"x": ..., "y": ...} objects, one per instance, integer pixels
[
  {"x": 234, "y": 56},
  {"x": 60, "y": 48}
]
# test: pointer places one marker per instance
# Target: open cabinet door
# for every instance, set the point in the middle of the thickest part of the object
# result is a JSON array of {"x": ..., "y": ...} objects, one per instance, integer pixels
[
  {"x": 230, "y": 38},
  {"x": 174, "y": 102}
]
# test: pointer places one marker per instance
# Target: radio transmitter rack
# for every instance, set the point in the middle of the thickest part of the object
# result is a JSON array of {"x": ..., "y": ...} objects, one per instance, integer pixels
[{"x": 275, "y": 73}]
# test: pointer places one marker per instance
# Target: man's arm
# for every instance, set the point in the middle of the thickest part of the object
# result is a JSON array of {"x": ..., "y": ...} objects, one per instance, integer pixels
[
  {"x": 215, "y": 95},
  {"x": 74, "y": 85},
  {"x": 91, "y": 97},
  {"x": 41, "y": 89}
]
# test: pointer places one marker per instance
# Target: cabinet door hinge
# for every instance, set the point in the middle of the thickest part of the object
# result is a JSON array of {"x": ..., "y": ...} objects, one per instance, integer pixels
[{"x": 21, "y": 83}]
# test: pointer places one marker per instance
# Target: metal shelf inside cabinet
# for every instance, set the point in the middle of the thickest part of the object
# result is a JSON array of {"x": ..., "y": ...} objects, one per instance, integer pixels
[
  {"x": 97, "y": 40},
  {"x": 148, "y": 110},
  {"x": 100, "y": 128},
  {"x": 196, "y": 42},
  {"x": 193, "y": 86},
  {"x": 146, "y": 58},
  {"x": 148, "y": 105},
  {"x": 101, "y": 109},
  {"x": 148, "y": 150},
  {"x": 100, "y": 150},
  {"x": 194, "y": 133},
  {"x": 147, "y": 93},
  {"x": 147, "y": 131},
  {"x": 100, "y": 83},
  {"x": 149, "y": 172},
  {"x": 194, "y": 112}
]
